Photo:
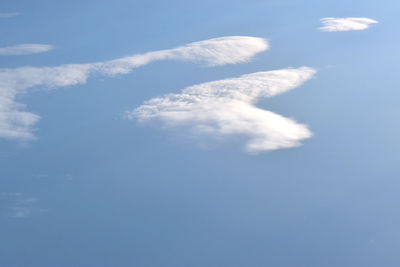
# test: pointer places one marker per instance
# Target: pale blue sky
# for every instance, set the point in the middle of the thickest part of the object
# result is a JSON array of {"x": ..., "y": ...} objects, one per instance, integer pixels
[{"x": 95, "y": 189}]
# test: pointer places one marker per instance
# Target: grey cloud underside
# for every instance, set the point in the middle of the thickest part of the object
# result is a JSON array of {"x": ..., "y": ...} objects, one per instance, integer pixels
[
  {"x": 345, "y": 24},
  {"x": 15, "y": 123},
  {"x": 227, "y": 108}
]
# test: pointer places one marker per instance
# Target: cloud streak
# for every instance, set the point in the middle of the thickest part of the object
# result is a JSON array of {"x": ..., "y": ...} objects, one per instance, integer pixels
[
  {"x": 227, "y": 108},
  {"x": 9, "y": 15},
  {"x": 24, "y": 49},
  {"x": 345, "y": 24},
  {"x": 18, "y": 205},
  {"x": 15, "y": 123}
]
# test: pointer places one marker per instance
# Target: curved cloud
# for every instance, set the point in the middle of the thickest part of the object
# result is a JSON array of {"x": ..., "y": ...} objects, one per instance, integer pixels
[
  {"x": 24, "y": 49},
  {"x": 345, "y": 24},
  {"x": 17, "y": 124},
  {"x": 213, "y": 52},
  {"x": 227, "y": 108}
]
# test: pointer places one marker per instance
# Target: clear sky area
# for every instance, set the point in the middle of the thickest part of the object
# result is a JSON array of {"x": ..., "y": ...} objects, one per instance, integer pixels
[{"x": 259, "y": 133}]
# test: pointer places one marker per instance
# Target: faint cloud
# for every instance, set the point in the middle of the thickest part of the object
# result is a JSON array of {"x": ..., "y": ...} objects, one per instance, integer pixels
[
  {"x": 10, "y": 194},
  {"x": 18, "y": 205},
  {"x": 345, "y": 24},
  {"x": 61, "y": 176},
  {"x": 9, "y": 15},
  {"x": 225, "y": 108},
  {"x": 18, "y": 124},
  {"x": 20, "y": 212},
  {"x": 29, "y": 200},
  {"x": 24, "y": 49}
]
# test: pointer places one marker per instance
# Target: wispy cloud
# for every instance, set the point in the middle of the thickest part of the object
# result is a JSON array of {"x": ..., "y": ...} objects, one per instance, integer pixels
[
  {"x": 18, "y": 205},
  {"x": 345, "y": 24},
  {"x": 18, "y": 124},
  {"x": 227, "y": 108},
  {"x": 9, "y": 15},
  {"x": 24, "y": 49}
]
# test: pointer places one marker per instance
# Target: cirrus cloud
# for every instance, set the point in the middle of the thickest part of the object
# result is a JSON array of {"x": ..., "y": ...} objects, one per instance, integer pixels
[
  {"x": 227, "y": 108},
  {"x": 24, "y": 49},
  {"x": 345, "y": 24},
  {"x": 15, "y": 123},
  {"x": 18, "y": 205}
]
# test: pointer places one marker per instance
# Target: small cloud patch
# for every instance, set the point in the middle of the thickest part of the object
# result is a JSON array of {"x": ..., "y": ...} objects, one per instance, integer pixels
[
  {"x": 345, "y": 24},
  {"x": 25, "y": 49}
]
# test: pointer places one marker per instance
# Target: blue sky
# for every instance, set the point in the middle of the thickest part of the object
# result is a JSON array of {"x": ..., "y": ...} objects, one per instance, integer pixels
[{"x": 97, "y": 182}]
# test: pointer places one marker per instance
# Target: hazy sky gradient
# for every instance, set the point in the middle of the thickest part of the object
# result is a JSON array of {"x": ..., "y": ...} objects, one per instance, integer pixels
[{"x": 96, "y": 189}]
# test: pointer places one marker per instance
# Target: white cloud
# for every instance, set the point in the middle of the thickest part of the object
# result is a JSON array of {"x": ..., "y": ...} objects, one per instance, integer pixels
[
  {"x": 18, "y": 124},
  {"x": 24, "y": 49},
  {"x": 9, "y": 15},
  {"x": 213, "y": 52},
  {"x": 227, "y": 108},
  {"x": 345, "y": 24}
]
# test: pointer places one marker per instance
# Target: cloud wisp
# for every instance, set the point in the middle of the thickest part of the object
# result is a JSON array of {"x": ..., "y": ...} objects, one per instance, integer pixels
[
  {"x": 25, "y": 49},
  {"x": 18, "y": 205},
  {"x": 345, "y": 24},
  {"x": 227, "y": 108},
  {"x": 15, "y": 123},
  {"x": 9, "y": 15}
]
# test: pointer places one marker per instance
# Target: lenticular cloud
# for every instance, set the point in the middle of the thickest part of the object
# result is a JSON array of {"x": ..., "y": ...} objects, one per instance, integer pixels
[
  {"x": 345, "y": 24},
  {"x": 15, "y": 123},
  {"x": 227, "y": 108}
]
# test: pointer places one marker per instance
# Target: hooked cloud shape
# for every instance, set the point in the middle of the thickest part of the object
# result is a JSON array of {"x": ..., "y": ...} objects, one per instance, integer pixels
[
  {"x": 24, "y": 49},
  {"x": 345, "y": 24},
  {"x": 18, "y": 124},
  {"x": 227, "y": 108}
]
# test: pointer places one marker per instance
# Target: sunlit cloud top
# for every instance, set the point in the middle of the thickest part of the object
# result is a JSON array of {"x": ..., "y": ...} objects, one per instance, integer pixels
[
  {"x": 345, "y": 24},
  {"x": 18, "y": 124},
  {"x": 226, "y": 108}
]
